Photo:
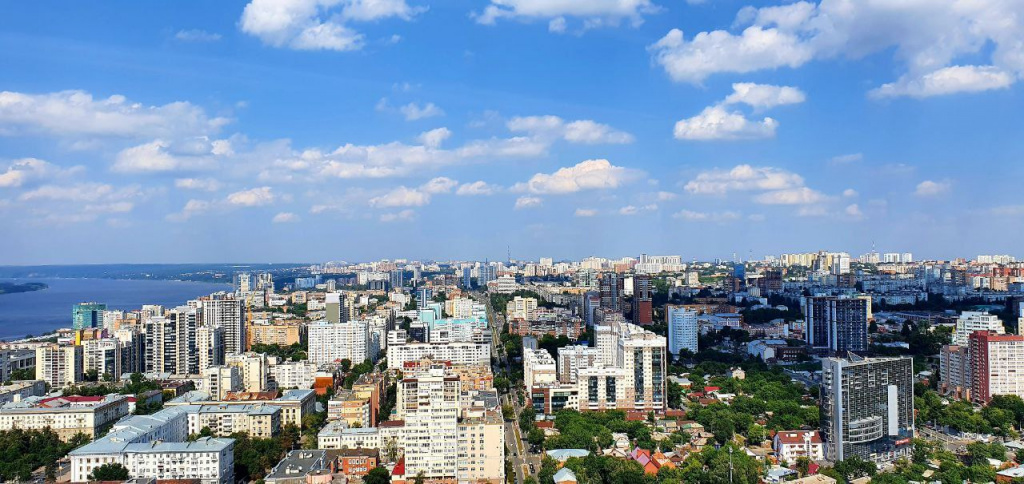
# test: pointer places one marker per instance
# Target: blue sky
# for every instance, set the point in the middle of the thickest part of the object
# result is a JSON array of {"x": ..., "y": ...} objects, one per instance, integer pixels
[{"x": 304, "y": 130}]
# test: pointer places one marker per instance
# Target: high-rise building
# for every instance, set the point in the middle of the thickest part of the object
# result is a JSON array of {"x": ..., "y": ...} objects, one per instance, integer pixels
[
  {"x": 429, "y": 404},
  {"x": 643, "y": 300},
  {"x": 682, "y": 329},
  {"x": 209, "y": 346},
  {"x": 611, "y": 291},
  {"x": 572, "y": 358},
  {"x": 335, "y": 306},
  {"x": 467, "y": 277},
  {"x": 59, "y": 365},
  {"x": 243, "y": 282},
  {"x": 171, "y": 342},
  {"x": 867, "y": 407},
  {"x": 87, "y": 315},
  {"x": 538, "y": 368},
  {"x": 841, "y": 264},
  {"x": 333, "y": 342},
  {"x": 837, "y": 323},
  {"x": 397, "y": 278},
  {"x": 486, "y": 273},
  {"x": 955, "y": 371},
  {"x": 996, "y": 365},
  {"x": 423, "y": 297},
  {"x": 226, "y": 311},
  {"x": 102, "y": 356},
  {"x": 643, "y": 358},
  {"x": 971, "y": 321}
]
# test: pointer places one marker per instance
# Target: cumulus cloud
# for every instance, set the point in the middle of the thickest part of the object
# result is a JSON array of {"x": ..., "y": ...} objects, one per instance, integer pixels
[
  {"x": 694, "y": 216},
  {"x": 192, "y": 208},
  {"x": 743, "y": 178},
  {"x": 927, "y": 35},
  {"x": 528, "y": 202},
  {"x": 665, "y": 196},
  {"x": 929, "y": 188},
  {"x": 853, "y": 210},
  {"x": 285, "y": 217},
  {"x": 434, "y": 137},
  {"x": 586, "y": 175},
  {"x": 583, "y": 131},
  {"x": 77, "y": 113},
  {"x": 27, "y": 170},
  {"x": 397, "y": 216},
  {"x": 764, "y": 96},
  {"x": 414, "y": 111},
  {"x": 718, "y": 123},
  {"x": 585, "y": 212},
  {"x": 633, "y": 209},
  {"x": 202, "y": 184},
  {"x": 590, "y": 13},
  {"x": 791, "y": 196},
  {"x": 849, "y": 193},
  {"x": 318, "y": 24},
  {"x": 401, "y": 197},
  {"x": 439, "y": 185},
  {"x": 196, "y": 35},
  {"x": 477, "y": 188},
  {"x": 254, "y": 197},
  {"x": 164, "y": 156}
]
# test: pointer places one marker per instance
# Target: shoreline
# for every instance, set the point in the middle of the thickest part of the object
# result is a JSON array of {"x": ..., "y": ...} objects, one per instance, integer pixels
[{"x": 16, "y": 288}]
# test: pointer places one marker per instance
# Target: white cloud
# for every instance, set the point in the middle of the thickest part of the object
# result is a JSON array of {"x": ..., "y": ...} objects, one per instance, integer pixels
[
  {"x": 583, "y": 131},
  {"x": 846, "y": 159},
  {"x": 743, "y": 178},
  {"x": 633, "y": 210},
  {"x": 192, "y": 207},
  {"x": 591, "y": 13},
  {"x": 854, "y": 211},
  {"x": 285, "y": 217},
  {"x": 586, "y": 175},
  {"x": 585, "y": 212},
  {"x": 254, "y": 197},
  {"x": 666, "y": 196},
  {"x": 477, "y": 188},
  {"x": 764, "y": 96},
  {"x": 77, "y": 113},
  {"x": 439, "y": 185},
  {"x": 401, "y": 197},
  {"x": 414, "y": 111},
  {"x": 434, "y": 137},
  {"x": 926, "y": 35},
  {"x": 397, "y": 216},
  {"x": 717, "y": 123},
  {"x": 849, "y": 193},
  {"x": 164, "y": 156},
  {"x": 318, "y": 24},
  {"x": 528, "y": 202},
  {"x": 27, "y": 170},
  {"x": 947, "y": 80},
  {"x": 80, "y": 192},
  {"x": 196, "y": 35},
  {"x": 203, "y": 184},
  {"x": 791, "y": 196},
  {"x": 694, "y": 216},
  {"x": 929, "y": 188}
]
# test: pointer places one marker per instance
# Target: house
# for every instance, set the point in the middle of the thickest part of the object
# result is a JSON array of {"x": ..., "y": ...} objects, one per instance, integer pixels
[
  {"x": 792, "y": 444},
  {"x": 562, "y": 455}
]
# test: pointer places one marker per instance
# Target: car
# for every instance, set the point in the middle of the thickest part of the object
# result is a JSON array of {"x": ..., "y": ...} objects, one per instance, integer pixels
[{"x": 533, "y": 470}]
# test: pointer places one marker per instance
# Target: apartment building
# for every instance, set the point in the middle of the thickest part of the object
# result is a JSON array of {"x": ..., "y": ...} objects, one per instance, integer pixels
[
  {"x": 538, "y": 368},
  {"x": 260, "y": 421},
  {"x": 59, "y": 365},
  {"x": 456, "y": 353},
  {"x": 67, "y": 416},
  {"x": 996, "y": 365},
  {"x": 682, "y": 329},
  {"x": 970, "y": 321},
  {"x": 572, "y": 358},
  {"x": 334, "y": 342}
]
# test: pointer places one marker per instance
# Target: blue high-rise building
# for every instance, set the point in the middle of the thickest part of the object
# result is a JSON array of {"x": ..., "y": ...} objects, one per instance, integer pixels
[
  {"x": 467, "y": 277},
  {"x": 87, "y": 315}
]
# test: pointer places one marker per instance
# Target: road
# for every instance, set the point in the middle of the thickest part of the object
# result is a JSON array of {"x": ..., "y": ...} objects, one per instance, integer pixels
[{"x": 514, "y": 446}]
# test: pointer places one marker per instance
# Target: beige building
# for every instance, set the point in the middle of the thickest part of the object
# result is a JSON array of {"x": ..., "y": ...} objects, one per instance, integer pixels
[
  {"x": 481, "y": 447},
  {"x": 352, "y": 407},
  {"x": 253, "y": 368},
  {"x": 67, "y": 416},
  {"x": 282, "y": 333},
  {"x": 259, "y": 421},
  {"x": 58, "y": 365},
  {"x": 294, "y": 404}
]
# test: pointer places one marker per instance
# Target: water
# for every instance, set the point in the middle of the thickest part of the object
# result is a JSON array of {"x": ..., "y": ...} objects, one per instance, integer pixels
[{"x": 39, "y": 312}]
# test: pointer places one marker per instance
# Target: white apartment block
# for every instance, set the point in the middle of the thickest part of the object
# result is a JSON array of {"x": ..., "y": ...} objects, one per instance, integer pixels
[
  {"x": 971, "y": 321},
  {"x": 225, "y": 311},
  {"x": 538, "y": 368},
  {"x": 481, "y": 453},
  {"x": 521, "y": 308},
  {"x": 103, "y": 356},
  {"x": 218, "y": 381},
  {"x": 67, "y": 416},
  {"x": 464, "y": 307},
  {"x": 682, "y": 329},
  {"x": 790, "y": 445},
  {"x": 292, "y": 374},
  {"x": 294, "y": 404},
  {"x": 643, "y": 357},
  {"x": 253, "y": 368},
  {"x": 259, "y": 421},
  {"x": 429, "y": 405},
  {"x": 601, "y": 388},
  {"x": 210, "y": 347},
  {"x": 59, "y": 366},
  {"x": 457, "y": 353},
  {"x": 572, "y": 358},
  {"x": 333, "y": 342}
]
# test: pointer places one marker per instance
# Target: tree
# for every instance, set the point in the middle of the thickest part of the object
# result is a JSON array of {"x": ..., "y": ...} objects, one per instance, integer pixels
[
  {"x": 535, "y": 437},
  {"x": 110, "y": 472},
  {"x": 420, "y": 478},
  {"x": 377, "y": 475},
  {"x": 803, "y": 465}
]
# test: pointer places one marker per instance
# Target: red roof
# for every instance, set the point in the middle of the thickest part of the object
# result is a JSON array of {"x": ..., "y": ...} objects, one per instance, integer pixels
[
  {"x": 399, "y": 467},
  {"x": 711, "y": 389},
  {"x": 545, "y": 424}
]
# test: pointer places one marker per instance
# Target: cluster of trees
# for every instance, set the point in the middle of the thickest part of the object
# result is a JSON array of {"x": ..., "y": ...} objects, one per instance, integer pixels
[
  {"x": 973, "y": 467},
  {"x": 110, "y": 472},
  {"x": 23, "y": 451},
  {"x": 388, "y": 402},
  {"x": 710, "y": 466},
  {"x": 22, "y": 374},
  {"x": 355, "y": 371},
  {"x": 255, "y": 457},
  {"x": 765, "y": 393},
  {"x": 293, "y": 352},
  {"x": 999, "y": 417},
  {"x": 767, "y": 315},
  {"x": 592, "y": 431}
]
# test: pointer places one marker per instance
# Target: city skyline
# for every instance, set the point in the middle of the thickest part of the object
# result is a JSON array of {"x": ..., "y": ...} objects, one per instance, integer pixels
[{"x": 367, "y": 130}]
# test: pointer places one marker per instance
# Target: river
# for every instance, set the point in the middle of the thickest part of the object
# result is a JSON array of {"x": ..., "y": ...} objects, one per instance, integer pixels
[{"x": 39, "y": 312}]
